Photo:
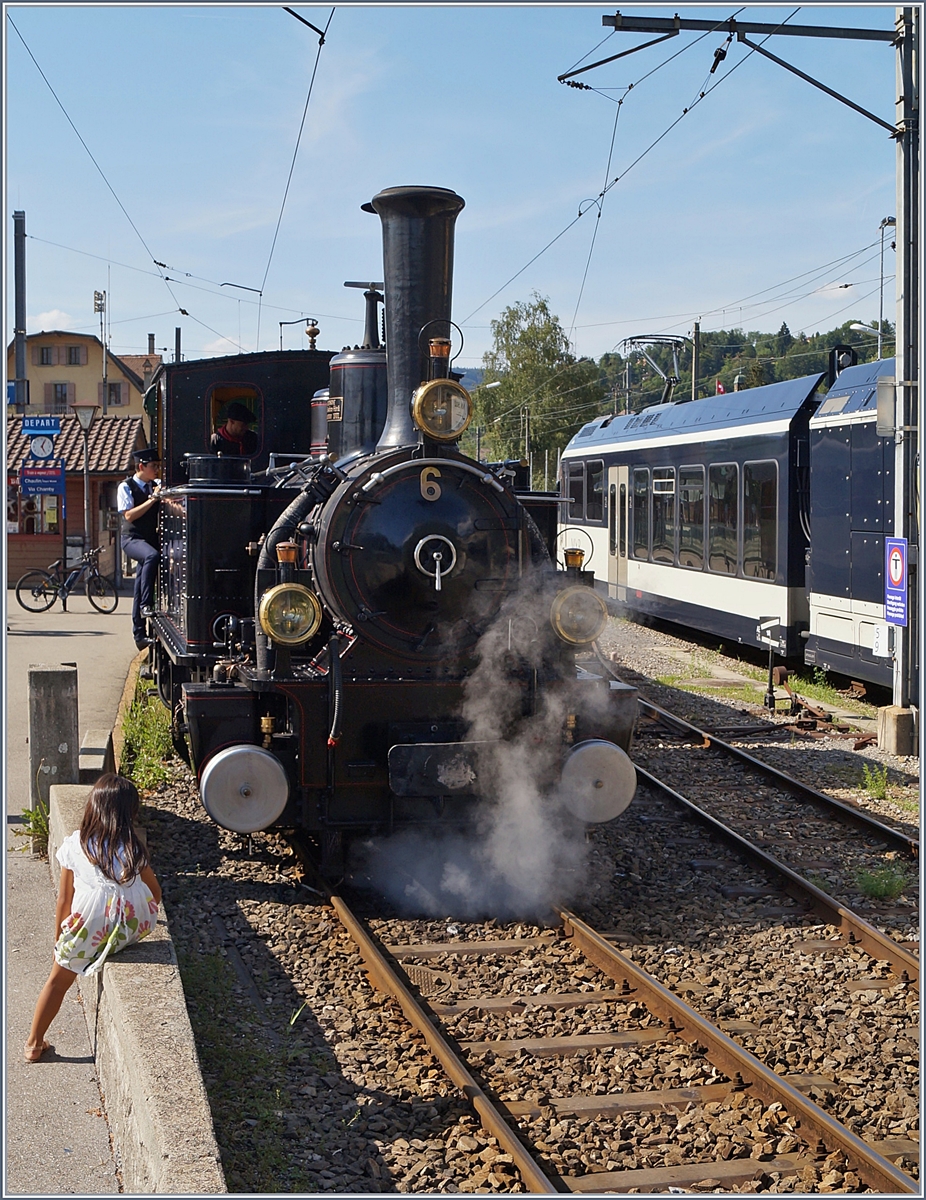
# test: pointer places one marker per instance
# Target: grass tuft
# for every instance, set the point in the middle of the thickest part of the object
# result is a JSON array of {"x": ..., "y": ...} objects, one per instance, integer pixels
[
  {"x": 874, "y": 781},
  {"x": 886, "y": 883},
  {"x": 35, "y": 827},
  {"x": 148, "y": 748}
]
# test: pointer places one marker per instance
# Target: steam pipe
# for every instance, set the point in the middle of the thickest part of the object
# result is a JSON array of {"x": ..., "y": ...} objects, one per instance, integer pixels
[{"x": 418, "y": 224}]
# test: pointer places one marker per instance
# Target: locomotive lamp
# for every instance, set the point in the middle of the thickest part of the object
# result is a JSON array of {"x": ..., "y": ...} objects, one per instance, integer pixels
[
  {"x": 289, "y": 613},
  {"x": 442, "y": 410},
  {"x": 574, "y": 558},
  {"x": 578, "y": 615}
]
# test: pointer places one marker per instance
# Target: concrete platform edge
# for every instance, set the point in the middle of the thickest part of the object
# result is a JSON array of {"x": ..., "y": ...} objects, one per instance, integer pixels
[{"x": 140, "y": 1031}]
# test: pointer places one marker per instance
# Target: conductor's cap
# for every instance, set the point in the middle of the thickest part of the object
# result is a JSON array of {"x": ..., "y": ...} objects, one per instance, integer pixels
[{"x": 145, "y": 456}]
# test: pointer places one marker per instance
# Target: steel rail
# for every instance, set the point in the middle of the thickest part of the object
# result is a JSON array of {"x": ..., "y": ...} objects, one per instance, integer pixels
[
  {"x": 873, "y": 1169},
  {"x": 492, "y": 1117},
  {"x": 802, "y": 791},
  {"x": 872, "y": 940}
]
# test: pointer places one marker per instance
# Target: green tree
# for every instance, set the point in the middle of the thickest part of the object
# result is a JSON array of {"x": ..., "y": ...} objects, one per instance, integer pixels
[{"x": 539, "y": 381}]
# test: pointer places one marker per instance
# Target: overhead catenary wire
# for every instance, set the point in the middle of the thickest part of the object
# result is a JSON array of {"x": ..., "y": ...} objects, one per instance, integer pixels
[
  {"x": 623, "y": 175},
  {"x": 292, "y": 165},
  {"x": 102, "y": 174}
]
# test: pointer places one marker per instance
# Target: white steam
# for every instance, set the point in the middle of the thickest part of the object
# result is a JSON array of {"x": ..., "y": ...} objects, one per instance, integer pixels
[{"x": 526, "y": 853}]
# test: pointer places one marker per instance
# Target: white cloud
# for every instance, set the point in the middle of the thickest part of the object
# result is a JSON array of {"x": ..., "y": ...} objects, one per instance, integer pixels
[
  {"x": 220, "y": 346},
  {"x": 53, "y": 319}
]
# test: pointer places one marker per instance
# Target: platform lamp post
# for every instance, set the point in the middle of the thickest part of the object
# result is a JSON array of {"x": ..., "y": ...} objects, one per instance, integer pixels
[
  {"x": 884, "y": 224},
  {"x": 85, "y": 411}
]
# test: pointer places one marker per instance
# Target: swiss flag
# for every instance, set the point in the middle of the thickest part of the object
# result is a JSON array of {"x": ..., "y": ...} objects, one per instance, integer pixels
[{"x": 721, "y": 390}]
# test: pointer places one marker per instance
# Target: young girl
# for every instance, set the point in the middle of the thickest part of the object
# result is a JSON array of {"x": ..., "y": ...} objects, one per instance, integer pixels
[{"x": 107, "y": 898}]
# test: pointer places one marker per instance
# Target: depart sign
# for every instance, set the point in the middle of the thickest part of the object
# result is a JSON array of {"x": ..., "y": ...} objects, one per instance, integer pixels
[
  {"x": 34, "y": 425},
  {"x": 895, "y": 581}
]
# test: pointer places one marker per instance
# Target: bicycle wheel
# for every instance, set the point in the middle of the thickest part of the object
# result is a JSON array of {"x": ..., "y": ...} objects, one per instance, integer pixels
[
  {"x": 36, "y": 591},
  {"x": 102, "y": 594}
]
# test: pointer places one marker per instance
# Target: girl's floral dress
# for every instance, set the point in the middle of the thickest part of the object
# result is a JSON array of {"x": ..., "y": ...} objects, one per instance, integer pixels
[{"x": 105, "y": 916}]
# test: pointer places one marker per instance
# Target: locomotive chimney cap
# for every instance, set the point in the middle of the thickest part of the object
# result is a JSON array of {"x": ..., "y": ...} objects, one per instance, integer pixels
[{"x": 415, "y": 192}]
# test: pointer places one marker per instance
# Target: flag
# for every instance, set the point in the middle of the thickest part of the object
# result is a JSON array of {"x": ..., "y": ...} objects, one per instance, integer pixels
[{"x": 721, "y": 390}]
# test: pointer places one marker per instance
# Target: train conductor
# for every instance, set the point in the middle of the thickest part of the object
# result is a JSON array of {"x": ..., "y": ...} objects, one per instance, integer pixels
[{"x": 138, "y": 500}]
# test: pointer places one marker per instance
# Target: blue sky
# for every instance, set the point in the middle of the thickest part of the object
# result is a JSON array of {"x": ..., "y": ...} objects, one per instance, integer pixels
[{"x": 192, "y": 112}]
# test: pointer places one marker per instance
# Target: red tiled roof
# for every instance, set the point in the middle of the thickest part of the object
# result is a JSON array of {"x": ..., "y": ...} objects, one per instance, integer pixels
[
  {"x": 136, "y": 363},
  {"x": 110, "y": 442}
]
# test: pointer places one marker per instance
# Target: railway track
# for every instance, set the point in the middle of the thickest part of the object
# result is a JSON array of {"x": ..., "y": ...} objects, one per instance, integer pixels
[
  {"x": 607, "y": 1087},
  {"x": 509, "y": 1049}
]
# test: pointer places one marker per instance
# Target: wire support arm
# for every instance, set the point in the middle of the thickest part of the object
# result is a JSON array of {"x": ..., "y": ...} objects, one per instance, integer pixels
[
  {"x": 892, "y": 130},
  {"x": 614, "y": 57}
]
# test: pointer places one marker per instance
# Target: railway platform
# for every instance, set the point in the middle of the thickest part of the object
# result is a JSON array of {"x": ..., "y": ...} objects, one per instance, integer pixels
[{"x": 57, "y": 1139}]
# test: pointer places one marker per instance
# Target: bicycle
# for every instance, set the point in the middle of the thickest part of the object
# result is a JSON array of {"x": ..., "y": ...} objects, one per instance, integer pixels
[{"x": 37, "y": 590}]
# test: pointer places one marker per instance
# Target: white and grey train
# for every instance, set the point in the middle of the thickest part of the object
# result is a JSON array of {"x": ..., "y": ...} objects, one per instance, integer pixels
[{"x": 767, "y": 507}]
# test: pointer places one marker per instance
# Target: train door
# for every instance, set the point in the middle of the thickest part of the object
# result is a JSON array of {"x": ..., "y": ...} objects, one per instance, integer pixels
[{"x": 618, "y": 486}]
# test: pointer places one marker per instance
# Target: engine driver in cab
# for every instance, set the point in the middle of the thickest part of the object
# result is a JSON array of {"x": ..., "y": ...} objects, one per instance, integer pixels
[{"x": 234, "y": 437}]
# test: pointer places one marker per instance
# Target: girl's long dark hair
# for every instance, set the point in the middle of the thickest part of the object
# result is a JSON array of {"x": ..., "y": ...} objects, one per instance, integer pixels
[{"x": 107, "y": 833}]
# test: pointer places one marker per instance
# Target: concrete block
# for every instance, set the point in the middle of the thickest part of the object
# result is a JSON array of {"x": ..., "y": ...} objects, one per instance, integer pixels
[
  {"x": 96, "y": 755},
  {"x": 156, "y": 1103},
  {"x": 897, "y": 730},
  {"x": 52, "y": 729}
]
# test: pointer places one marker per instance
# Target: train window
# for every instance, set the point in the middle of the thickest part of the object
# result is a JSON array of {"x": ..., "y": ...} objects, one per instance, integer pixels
[
  {"x": 612, "y": 519},
  {"x": 722, "y": 532},
  {"x": 691, "y": 517},
  {"x": 760, "y": 519},
  {"x": 594, "y": 491},
  {"x": 622, "y": 536},
  {"x": 641, "y": 512},
  {"x": 664, "y": 514},
  {"x": 576, "y": 510}
]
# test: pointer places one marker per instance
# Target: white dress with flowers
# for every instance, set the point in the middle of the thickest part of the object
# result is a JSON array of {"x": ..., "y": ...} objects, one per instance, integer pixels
[{"x": 105, "y": 916}]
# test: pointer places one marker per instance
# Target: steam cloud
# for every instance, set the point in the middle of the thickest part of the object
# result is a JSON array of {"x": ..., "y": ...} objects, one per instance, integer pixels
[{"x": 526, "y": 853}]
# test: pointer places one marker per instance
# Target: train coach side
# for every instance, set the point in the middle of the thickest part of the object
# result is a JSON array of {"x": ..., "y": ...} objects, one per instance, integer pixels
[
  {"x": 698, "y": 512},
  {"x": 851, "y": 513}
]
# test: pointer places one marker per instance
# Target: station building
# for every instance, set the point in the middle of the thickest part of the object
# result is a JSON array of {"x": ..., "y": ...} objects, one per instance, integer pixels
[{"x": 63, "y": 367}]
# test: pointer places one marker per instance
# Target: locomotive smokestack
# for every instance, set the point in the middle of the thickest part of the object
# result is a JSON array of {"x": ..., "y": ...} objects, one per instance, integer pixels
[{"x": 418, "y": 269}]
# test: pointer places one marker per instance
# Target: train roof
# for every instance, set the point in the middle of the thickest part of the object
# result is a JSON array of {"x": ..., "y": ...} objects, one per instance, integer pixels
[
  {"x": 854, "y": 394},
  {"x": 768, "y": 409}
]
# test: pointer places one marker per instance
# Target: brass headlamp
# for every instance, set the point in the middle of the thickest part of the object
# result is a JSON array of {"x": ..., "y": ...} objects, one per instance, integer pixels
[
  {"x": 442, "y": 409},
  {"x": 289, "y": 614},
  {"x": 578, "y": 615}
]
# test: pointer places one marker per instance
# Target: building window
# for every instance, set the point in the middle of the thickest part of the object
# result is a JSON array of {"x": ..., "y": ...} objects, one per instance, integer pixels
[
  {"x": 29, "y": 514},
  {"x": 760, "y": 523},
  {"x": 723, "y": 532},
  {"x": 115, "y": 393},
  {"x": 74, "y": 356},
  {"x": 47, "y": 356},
  {"x": 664, "y": 514},
  {"x": 691, "y": 517},
  {"x": 60, "y": 397}
]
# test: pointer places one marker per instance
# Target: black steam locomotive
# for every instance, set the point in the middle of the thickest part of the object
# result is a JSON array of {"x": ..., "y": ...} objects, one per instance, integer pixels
[{"x": 354, "y": 633}]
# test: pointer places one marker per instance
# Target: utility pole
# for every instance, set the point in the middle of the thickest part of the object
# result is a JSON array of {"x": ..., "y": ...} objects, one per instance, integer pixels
[
  {"x": 20, "y": 384},
  {"x": 99, "y": 306},
  {"x": 906, "y": 363},
  {"x": 695, "y": 358}
]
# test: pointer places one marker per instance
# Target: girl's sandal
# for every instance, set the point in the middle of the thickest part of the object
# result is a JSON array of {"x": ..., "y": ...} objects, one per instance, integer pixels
[{"x": 34, "y": 1053}]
